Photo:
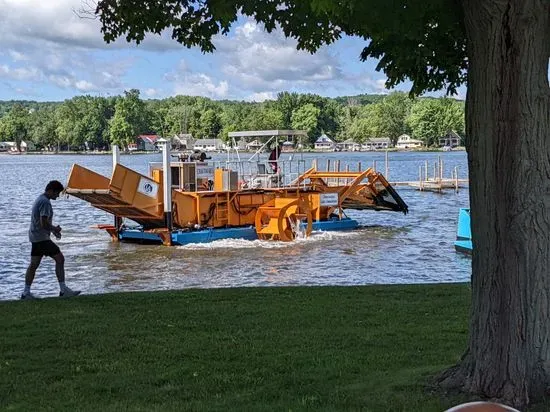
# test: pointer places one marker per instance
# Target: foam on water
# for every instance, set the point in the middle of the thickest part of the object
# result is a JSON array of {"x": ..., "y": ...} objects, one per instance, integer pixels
[{"x": 316, "y": 236}]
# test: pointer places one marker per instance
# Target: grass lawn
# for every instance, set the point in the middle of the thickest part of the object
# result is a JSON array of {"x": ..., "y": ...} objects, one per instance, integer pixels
[{"x": 371, "y": 348}]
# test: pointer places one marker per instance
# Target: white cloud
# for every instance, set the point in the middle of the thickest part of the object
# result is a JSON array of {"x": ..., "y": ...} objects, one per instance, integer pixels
[
  {"x": 45, "y": 43},
  {"x": 70, "y": 81},
  {"x": 61, "y": 81},
  {"x": 196, "y": 84},
  {"x": 199, "y": 84},
  {"x": 261, "y": 61},
  {"x": 368, "y": 84},
  {"x": 57, "y": 47},
  {"x": 31, "y": 93},
  {"x": 151, "y": 92},
  {"x": 17, "y": 56},
  {"x": 62, "y": 22},
  {"x": 261, "y": 96},
  {"x": 84, "y": 86},
  {"x": 54, "y": 21},
  {"x": 19, "y": 73}
]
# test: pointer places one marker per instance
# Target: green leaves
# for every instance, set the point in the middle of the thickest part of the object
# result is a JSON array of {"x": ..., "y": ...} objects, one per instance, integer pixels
[
  {"x": 306, "y": 118},
  {"x": 86, "y": 122},
  {"x": 129, "y": 119},
  {"x": 433, "y": 118},
  {"x": 15, "y": 124},
  {"x": 421, "y": 41}
]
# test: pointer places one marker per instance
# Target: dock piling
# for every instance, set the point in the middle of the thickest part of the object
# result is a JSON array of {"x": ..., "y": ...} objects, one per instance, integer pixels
[{"x": 387, "y": 175}]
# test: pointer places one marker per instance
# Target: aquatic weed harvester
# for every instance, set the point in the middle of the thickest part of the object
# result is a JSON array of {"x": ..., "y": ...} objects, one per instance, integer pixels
[{"x": 249, "y": 199}]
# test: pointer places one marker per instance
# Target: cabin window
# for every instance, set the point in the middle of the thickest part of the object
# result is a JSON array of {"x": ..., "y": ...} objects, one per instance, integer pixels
[{"x": 175, "y": 176}]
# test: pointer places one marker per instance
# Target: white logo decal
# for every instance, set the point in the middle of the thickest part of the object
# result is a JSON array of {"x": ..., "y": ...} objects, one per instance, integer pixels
[{"x": 148, "y": 187}]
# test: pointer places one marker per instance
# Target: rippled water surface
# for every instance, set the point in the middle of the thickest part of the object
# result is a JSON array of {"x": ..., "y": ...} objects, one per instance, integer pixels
[{"x": 389, "y": 247}]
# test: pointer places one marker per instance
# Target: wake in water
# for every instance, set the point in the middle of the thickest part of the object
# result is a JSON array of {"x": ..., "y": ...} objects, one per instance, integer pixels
[{"x": 316, "y": 236}]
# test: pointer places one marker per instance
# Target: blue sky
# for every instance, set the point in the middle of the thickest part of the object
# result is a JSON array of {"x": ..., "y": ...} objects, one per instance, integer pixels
[{"x": 48, "y": 53}]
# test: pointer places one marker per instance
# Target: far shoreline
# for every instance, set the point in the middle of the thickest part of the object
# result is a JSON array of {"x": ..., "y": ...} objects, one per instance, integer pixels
[{"x": 108, "y": 152}]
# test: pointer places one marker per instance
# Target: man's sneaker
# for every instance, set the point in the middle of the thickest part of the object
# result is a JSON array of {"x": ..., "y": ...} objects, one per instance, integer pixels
[
  {"x": 67, "y": 293},
  {"x": 28, "y": 296}
]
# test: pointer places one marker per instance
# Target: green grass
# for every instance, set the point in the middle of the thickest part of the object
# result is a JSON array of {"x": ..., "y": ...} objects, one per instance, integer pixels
[{"x": 371, "y": 348}]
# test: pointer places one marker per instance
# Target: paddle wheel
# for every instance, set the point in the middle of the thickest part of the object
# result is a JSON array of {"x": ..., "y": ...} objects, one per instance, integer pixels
[{"x": 283, "y": 219}]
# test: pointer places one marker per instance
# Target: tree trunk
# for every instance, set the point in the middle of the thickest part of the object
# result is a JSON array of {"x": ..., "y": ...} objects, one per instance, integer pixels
[{"x": 508, "y": 131}]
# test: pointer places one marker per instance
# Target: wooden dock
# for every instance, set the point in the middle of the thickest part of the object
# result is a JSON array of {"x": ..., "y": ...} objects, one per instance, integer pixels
[
  {"x": 437, "y": 185},
  {"x": 434, "y": 182}
]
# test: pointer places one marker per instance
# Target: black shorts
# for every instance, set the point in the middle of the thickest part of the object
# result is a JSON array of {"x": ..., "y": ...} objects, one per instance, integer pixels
[{"x": 44, "y": 248}]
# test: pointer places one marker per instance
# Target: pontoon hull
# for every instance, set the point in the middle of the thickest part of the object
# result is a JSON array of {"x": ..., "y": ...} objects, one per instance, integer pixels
[{"x": 179, "y": 238}]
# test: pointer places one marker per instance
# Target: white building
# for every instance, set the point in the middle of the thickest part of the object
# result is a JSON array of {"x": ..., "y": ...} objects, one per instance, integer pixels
[
  {"x": 324, "y": 143},
  {"x": 348, "y": 146},
  {"x": 407, "y": 142},
  {"x": 451, "y": 139},
  {"x": 288, "y": 146},
  {"x": 241, "y": 144},
  {"x": 183, "y": 141},
  {"x": 12, "y": 146},
  {"x": 377, "y": 143},
  {"x": 253, "y": 145},
  {"x": 209, "y": 145}
]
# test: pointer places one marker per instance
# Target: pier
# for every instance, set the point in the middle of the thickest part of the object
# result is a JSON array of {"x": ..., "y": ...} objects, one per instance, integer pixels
[{"x": 429, "y": 178}]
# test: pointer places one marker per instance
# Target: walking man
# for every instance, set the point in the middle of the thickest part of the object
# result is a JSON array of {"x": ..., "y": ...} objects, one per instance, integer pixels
[{"x": 39, "y": 235}]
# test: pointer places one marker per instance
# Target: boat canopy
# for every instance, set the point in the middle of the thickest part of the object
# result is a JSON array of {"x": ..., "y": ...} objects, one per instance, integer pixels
[
  {"x": 266, "y": 133},
  {"x": 271, "y": 135}
]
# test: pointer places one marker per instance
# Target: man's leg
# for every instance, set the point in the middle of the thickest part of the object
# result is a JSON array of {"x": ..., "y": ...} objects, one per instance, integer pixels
[
  {"x": 59, "y": 267},
  {"x": 60, "y": 273},
  {"x": 31, "y": 272}
]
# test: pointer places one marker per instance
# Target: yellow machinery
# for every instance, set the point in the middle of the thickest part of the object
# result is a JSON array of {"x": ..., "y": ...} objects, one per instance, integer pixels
[{"x": 221, "y": 200}]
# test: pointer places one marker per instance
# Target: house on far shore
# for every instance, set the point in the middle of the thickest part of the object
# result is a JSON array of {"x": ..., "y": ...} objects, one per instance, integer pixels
[
  {"x": 11, "y": 147},
  {"x": 348, "y": 146},
  {"x": 183, "y": 141},
  {"x": 288, "y": 146},
  {"x": 240, "y": 145},
  {"x": 451, "y": 139},
  {"x": 145, "y": 142},
  {"x": 209, "y": 145},
  {"x": 324, "y": 144},
  {"x": 376, "y": 143},
  {"x": 407, "y": 142},
  {"x": 253, "y": 145}
]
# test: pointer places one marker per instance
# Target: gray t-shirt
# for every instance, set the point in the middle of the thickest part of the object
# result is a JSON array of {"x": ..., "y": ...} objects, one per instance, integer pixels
[{"x": 41, "y": 207}]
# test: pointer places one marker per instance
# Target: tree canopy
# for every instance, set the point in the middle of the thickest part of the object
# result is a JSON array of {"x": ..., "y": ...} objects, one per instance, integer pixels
[
  {"x": 422, "y": 41},
  {"x": 90, "y": 123},
  {"x": 15, "y": 124}
]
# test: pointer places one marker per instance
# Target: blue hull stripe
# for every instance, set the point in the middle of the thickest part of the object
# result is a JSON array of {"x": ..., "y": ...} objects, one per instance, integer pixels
[{"x": 209, "y": 235}]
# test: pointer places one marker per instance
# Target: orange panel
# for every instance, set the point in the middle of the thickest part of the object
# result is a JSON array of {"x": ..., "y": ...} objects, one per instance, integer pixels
[{"x": 82, "y": 178}]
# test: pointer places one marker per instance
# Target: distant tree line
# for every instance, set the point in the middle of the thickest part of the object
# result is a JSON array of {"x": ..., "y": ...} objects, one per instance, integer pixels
[{"x": 89, "y": 123}]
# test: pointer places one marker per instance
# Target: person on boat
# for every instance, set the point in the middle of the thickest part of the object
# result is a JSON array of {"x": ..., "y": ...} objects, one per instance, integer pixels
[
  {"x": 200, "y": 156},
  {"x": 274, "y": 157},
  {"x": 41, "y": 245},
  {"x": 182, "y": 157}
]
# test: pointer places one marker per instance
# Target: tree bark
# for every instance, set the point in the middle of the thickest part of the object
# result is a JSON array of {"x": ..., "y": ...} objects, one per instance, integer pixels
[{"x": 508, "y": 132}]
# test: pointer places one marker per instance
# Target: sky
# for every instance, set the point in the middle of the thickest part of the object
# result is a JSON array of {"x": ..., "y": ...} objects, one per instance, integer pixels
[{"x": 50, "y": 53}]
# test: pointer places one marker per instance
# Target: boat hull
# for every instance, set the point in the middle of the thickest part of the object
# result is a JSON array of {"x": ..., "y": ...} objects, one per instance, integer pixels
[
  {"x": 463, "y": 243},
  {"x": 138, "y": 235}
]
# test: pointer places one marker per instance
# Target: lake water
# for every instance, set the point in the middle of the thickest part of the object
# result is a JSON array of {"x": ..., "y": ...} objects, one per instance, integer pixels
[{"x": 389, "y": 247}]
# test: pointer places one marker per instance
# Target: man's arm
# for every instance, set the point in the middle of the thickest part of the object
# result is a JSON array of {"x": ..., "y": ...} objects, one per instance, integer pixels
[{"x": 45, "y": 224}]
